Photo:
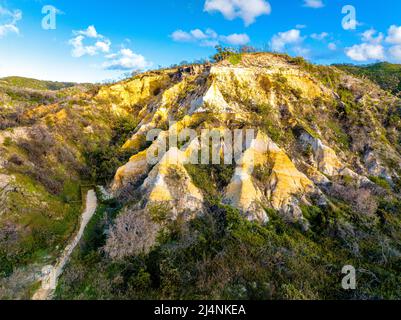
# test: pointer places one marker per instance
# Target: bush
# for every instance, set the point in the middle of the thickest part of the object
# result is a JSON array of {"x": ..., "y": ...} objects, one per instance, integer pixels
[
  {"x": 235, "y": 58},
  {"x": 211, "y": 178},
  {"x": 7, "y": 141},
  {"x": 386, "y": 75},
  {"x": 223, "y": 53},
  {"x": 381, "y": 182},
  {"x": 104, "y": 160},
  {"x": 362, "y": 200},
  {"x": 133, "y": 233}
]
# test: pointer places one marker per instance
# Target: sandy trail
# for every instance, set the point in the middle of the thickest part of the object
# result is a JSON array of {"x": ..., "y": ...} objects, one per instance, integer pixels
[{"x": 49, "y": 282}]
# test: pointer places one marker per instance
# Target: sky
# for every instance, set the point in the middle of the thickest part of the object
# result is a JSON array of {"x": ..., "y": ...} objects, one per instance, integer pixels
[{"x": 97, "y": 40}]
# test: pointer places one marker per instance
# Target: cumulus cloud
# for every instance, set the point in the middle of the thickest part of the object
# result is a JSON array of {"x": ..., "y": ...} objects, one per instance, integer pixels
[
  {"x": 365, "y": 52},
  {"x": 301, "y": 51},
  {"x": 282, "y": 39},
  {"x": 126, "y": 60},
  {"x": 199, "y": 34},
  {"x": 319, "y": 36},
  {"x": 394, "y": 35},
  {"x": 100, "y": 44},
  {"x": 372, "y": 36},
  {"x": 8, "y": 21},
  {"x": 247, "y": 10},
  {"x": 90, "y": 42},
  {"x": 181, "y": 36},
  {"x": 236, "y": 39},
  {"x": 210, "y": 38},
  {"x": 376, "y": 46},
  {"x": 90, "y": 32},
  {"x": 315, "y": 4}
]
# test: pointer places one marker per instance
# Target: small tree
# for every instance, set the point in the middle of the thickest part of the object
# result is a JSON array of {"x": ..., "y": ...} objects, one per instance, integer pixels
[
  {"x": 248, "y": 49},
  {"x": 223, "y": 53}
]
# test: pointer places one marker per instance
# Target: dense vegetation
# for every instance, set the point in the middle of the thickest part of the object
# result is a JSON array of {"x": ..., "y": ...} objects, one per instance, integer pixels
[
  {"x": 221, "y": 255},
  {"x": 43, "y": 152},
  {"x": 386, "y": 75},
  {"x": 104, "y": 159}
]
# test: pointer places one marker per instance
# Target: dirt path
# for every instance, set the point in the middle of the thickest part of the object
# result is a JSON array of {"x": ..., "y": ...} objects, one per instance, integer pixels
[{"x": 49, "y": 282}]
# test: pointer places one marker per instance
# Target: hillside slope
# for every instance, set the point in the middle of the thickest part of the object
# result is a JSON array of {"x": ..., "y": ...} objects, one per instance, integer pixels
[
  {"x": 316, "y": 187},
  {"x": 46, "y": 138},
  {"x": 28, "y": 83},
  {"x": 386, "y": 75}
]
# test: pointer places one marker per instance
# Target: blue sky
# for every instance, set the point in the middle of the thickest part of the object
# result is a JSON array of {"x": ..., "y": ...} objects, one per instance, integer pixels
[{"x": 95, "y": 40}]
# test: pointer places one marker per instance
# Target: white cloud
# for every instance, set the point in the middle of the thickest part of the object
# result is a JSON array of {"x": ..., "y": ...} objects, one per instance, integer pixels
[
  {"x": 366, "y": 52},
  {"x": 395, "y": 53},
  {"x": 8, "y": 21},
  {"x": 282, "y": 39},
  {"x": 211, "y": 33},
  {"x": 301, "y": 51},
  {"x": 199, "y": 34},
  {"x": 126, "y": 59},
  {"x": 316, "y": 4},
  {"x": 181, "y": 36},
  {"x": 394, "y": 35},
  {"x": 79, "y": 49},
  {"x": 8, "y": 28},
  {"x": 332, "y": 46},
  {"x": 369, "y": 36},
  {"x": 300, "y": 26},
  {"x": 247, "y": 10},
  {"x": 209, "y": 38},
  {"x": 111, "y": 56},
  {"x": 376, "y": 46},
  {"x": 103, "y": 46},
  {"x": 90, "y": 32},
  {"x": 236, "y": 39},
  {"x": 209, "y": 43},
  {"x": 319, "y": 36}
]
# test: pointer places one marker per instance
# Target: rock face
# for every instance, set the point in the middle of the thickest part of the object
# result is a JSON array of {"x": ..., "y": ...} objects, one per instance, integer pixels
[
  {"x": 326, "y": 159},
  {"x": 170, "y": 182},
  {"x": 280, "y": 190},
  {"x": 266, "y": 93},
  {"x": 132, "y": 172}
]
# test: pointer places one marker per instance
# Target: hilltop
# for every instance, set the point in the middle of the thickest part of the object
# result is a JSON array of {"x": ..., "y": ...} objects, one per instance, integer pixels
[{"x": 28, "y": 83}]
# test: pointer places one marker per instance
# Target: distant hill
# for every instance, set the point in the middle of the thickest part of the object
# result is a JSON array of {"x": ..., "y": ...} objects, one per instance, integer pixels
[
  {"x": 385, "y": 74},
  {"x": 29, "y": 83}
]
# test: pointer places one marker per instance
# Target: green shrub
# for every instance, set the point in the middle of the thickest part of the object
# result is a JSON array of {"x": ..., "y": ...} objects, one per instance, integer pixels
[
  {"x": 211, "y": 178},
  {"x": 159, "y": 213},
  {"x": 7, "y": 142},
  {"x": 223, "y": 53},
  {"x": 340, "y": 135},
  {"x": 235, "y": 58},
  {"x": 222, "y": 255},
  {"x": 386, "y": 75},
  {"x": 6, "y": 266},
  {"x": 381, "y": 182}
]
